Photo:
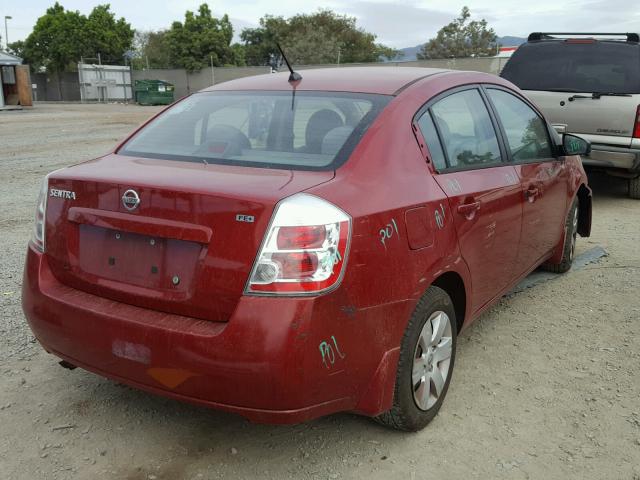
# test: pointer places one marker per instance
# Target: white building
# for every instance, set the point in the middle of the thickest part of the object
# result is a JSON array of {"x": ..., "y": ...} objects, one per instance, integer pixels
[{"x": 8, "y": 77}]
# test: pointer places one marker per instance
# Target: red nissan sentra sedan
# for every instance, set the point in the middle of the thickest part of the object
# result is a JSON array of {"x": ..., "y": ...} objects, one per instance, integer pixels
[{"x": 290, "y": 249}]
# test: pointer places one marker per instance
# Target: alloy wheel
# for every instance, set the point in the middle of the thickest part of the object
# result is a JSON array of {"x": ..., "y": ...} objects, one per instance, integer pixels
[{"x": 431, "y": 360}]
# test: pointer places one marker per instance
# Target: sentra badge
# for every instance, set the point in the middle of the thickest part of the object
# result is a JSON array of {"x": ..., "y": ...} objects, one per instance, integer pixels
[{"x": 66, "y": 194}]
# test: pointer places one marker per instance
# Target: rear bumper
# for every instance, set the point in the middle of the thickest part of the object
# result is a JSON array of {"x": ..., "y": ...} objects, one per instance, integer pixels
[
  {"x": 607, "y": 156},
  {"x": 263, "y": 363}
]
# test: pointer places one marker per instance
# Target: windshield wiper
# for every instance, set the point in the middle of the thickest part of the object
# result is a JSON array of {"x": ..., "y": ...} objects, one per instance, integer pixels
[
  {"x": 573, "y": 97},
  {"x": 597, "y": 95}
]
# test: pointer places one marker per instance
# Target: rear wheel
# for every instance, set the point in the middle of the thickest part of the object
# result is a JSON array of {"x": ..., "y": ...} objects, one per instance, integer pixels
[
  {"x": 571, "y": 229},
  {"x": 634, "y": 188},
  {"x": 427, "y": 355}
]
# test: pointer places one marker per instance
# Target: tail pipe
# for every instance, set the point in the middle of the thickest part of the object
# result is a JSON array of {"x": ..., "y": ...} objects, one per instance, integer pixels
[{"x": 67, "y": 365}]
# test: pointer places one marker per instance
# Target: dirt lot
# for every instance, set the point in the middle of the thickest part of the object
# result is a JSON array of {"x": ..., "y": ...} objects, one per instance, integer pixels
[{"x": 546, "y": 384}]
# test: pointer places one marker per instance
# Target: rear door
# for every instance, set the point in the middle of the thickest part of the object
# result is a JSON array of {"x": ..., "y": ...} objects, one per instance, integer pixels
[
  {"x": 484, "y": 192},
  {"x": 543, "y": 177}
]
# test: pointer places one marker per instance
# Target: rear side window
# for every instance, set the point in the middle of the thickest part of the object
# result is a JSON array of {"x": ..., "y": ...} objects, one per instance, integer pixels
[
  {"x": 598, "y": 66},
  {"x": 526, "y": 132},
  {"x": 466, "y": 130},
  {"x": 428, "y": 129},
  {"x": 311, "y": 130}
]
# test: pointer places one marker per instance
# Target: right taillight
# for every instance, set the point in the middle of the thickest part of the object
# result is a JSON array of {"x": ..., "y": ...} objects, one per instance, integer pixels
[
  {"x": 636, "y": 127},
  {"x": 38, "y": 234},
  {"x": 305, "y": 248}
]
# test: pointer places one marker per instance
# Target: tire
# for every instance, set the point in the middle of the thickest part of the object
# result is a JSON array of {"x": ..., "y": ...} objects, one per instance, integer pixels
[
  {"x": 634, "y": 188},
  {"x": 571, "y": 229},
  {"x": 413, "y": 406}
]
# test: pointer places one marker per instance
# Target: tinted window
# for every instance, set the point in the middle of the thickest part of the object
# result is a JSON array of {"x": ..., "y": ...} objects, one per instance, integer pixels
[
  {"x": 605, "y": 67},
  {"x": 313, "y": 130},
  {"x": 526, "y": 132},
  {"x": 430, "y": 135},
  {"x": 466, "y": 130}
]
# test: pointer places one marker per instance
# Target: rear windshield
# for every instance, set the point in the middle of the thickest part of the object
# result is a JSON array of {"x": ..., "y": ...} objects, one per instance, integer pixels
[
  {"x": 600, "y": 66},
  {"x": 308, "y": 130}
]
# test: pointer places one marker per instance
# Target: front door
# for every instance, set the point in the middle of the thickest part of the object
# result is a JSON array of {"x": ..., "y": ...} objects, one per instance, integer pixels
[{"x": 543, "y": 177}]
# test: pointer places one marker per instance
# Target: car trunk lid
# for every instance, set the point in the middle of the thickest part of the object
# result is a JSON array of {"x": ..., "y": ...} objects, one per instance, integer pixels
[{"x": 187, "y": 248}]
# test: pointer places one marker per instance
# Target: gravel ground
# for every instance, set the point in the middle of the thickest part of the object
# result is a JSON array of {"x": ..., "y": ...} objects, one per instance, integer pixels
[{"x": 546, "y": 383}]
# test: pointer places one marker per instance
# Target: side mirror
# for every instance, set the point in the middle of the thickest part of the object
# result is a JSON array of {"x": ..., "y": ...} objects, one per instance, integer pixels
[{"x": 573, "y": 145}]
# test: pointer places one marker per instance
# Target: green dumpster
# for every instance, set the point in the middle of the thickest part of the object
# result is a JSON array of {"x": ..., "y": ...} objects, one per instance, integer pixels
[{"x": 153, "y": 92}]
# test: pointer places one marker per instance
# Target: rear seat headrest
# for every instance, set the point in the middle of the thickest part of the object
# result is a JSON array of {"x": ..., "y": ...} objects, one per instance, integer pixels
[{"x": 335, "y": 139}]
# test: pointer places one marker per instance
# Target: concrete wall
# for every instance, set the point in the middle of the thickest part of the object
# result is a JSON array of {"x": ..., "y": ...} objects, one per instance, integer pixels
[
  {"x": 485, "y": 64},
  {"x": 187, "y": 83}
]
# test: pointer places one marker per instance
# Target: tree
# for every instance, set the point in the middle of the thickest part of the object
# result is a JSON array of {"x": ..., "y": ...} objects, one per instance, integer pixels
[
  {"x": 320, "y": 37},
  {"x": 461, "y": 38},
  {"x": 57, "y": 40},
  {"x": 200, "y": 40},
  {"x": 260, "y": 42},
  {"x": 60, "y": 38},
  {"x": 107, "y": 36},
  {"x": 16, "y": 48},
  {"x": 151, "y": 50}
]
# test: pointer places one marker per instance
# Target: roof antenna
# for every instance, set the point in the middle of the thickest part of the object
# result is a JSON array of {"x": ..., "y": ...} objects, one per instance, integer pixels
[{"x": 294, "y": 76}]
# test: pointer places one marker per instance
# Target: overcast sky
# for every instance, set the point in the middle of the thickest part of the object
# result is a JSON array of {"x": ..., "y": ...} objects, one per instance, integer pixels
[{"x": 398, "y": 24}]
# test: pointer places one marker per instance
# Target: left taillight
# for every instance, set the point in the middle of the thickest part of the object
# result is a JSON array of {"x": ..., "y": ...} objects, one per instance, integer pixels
[
  {"x": 305, "y": 248},
  {"x": 636, "y": 127},
  {"x": 38, "y": 234}
]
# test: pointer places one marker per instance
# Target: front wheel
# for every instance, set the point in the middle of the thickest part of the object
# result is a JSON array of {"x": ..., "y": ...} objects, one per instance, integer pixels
[{"x": 427, "y": 356}]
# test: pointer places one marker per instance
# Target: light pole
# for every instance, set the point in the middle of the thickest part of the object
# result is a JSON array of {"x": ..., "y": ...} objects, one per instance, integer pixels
[{"x": 6, "y": 30}]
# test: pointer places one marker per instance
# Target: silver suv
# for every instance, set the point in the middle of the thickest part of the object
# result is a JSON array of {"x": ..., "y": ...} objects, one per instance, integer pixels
[{"x": 587, "y": 84}]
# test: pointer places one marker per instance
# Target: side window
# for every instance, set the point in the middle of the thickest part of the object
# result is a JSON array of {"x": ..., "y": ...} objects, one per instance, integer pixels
[
  {"x": 526, "y": 131},
  {"x": 430, "y": 135},
  {"x": 467, "y": 132}
]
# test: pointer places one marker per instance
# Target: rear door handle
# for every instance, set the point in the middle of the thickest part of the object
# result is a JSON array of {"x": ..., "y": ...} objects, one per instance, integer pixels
[{"x": 468, "y": 209}]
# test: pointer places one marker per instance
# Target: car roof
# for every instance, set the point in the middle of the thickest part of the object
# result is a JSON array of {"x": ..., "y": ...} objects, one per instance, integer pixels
[{"x": 378, "y": 80}]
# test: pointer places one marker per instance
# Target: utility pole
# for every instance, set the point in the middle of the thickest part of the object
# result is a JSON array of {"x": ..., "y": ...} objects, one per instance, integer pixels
[
  {"x": 338, "y": 55},
  {"x": 124, "y": 81},
  {"x": 6, "y": 30},
  {"x": 213, "y": 78}
]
